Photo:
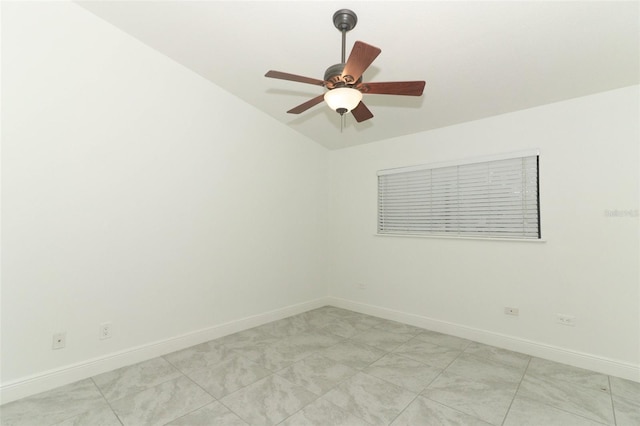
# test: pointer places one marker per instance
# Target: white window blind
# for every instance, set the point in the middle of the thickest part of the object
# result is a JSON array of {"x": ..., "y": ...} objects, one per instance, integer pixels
[{"x": 495, "y": 199}]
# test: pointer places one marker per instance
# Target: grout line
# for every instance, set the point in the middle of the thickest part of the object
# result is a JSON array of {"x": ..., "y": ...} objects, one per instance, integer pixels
[
  {"x": 445, "y": 368},
  {"x": 231, "y": 411},
  {"x": 613, "y": 405},
  {"x": 301, "y": 408},
  {"x": 405, "y": 408},
  {"x": 107, "y": 401},
  {"x": 524, "y": 373},
  {"x": 433, "y": 380},
  {"x": 240, "y": 389},
  {"x": 195, "y": 383},
  {"x": 571, "y": 413}
]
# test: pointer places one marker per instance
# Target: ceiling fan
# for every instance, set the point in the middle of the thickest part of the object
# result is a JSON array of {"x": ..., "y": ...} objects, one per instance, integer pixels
[{"x": 344, "y": 80}]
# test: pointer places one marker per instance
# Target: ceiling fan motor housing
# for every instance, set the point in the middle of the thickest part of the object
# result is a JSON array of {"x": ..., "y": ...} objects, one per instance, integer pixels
[{"x": 333, "y": 77}]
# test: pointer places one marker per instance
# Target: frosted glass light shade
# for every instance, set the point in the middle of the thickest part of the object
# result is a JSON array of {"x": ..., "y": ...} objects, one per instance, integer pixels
[{"x": 343, "y": 97}]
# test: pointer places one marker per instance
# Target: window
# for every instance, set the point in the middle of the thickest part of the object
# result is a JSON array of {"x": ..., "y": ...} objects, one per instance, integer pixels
[{"x": 498, "y": 198}]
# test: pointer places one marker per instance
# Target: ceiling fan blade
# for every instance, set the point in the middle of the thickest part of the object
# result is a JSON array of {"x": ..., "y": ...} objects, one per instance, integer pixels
[
  {"x": 305, "y": 106},
  {"x": 293, "y": 77},
  {"x": 361, "y": 113},
  {"x": 361, "y": 56},
  {"x": 407, "y": 88}
]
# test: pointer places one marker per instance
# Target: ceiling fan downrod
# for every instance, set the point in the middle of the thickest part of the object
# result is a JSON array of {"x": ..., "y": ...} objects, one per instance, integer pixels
[{"x": 344, "y": 20}]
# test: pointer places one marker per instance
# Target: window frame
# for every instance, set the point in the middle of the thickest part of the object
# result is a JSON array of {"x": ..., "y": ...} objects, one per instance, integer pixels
[{"x": 458, "y": 233}]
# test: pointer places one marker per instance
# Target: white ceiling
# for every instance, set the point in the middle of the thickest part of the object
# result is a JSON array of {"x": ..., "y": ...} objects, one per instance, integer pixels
[{"x": 478, "y": 58}]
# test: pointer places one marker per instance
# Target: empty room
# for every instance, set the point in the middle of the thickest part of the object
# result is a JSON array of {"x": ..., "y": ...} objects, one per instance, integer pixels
[{"x": 320, "y": 213}]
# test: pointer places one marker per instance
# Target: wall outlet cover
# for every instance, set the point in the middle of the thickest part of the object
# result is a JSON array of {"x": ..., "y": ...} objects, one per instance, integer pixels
[
  {"x": 59, "y": 340},
  {"x": 512, "y": 311},
  {"x": 565, "y": 319},
  {"x": 105, "y": 331}
]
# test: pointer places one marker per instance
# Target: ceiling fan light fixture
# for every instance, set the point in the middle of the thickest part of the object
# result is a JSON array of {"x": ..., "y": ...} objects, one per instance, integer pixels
[
  {"x": 343, "y": 99},
  {"x": 343, "y": 81}
]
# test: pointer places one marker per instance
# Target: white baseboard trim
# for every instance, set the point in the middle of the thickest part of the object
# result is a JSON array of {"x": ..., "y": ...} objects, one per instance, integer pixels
[
  {"x": 82, "y": 370},
  {"x": 607, "y": 366},
  {"x": 71, "y": 373}
]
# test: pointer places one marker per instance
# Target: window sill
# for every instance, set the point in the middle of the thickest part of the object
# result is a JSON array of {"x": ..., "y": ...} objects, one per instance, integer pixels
[{"x": 457, "y": 237}]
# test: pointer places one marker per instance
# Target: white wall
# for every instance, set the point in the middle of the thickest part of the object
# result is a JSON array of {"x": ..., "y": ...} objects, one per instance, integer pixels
[
  {"x": 588, "y": 266},
  {"x": 136, "y": 192}
]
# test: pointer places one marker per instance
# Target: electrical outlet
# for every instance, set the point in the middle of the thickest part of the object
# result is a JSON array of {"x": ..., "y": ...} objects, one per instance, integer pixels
[
  {"x": 105, "y": 331},
  {"x": 59, "y": 340},
  {"x": 512, "y": 311},
  {"x": 566, "y": 320}
]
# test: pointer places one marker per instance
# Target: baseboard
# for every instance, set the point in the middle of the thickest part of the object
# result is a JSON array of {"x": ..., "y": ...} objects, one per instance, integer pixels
[
  {"x": 71, "y": 373},
  {"x": 554, "y": 353}
]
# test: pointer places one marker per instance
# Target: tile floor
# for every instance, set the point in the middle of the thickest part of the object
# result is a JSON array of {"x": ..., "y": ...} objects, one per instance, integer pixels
[{"x": 331, "y": 366}]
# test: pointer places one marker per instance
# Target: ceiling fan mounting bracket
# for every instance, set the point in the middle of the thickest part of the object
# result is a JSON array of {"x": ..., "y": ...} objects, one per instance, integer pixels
[{"x": 345, "y": 20}]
